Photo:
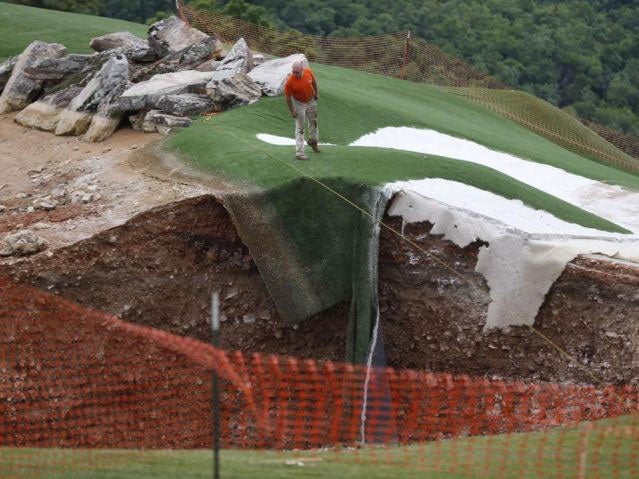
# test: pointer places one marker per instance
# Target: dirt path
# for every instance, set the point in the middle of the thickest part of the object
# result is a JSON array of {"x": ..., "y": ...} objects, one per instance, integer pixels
[{"x": 34, "y": 163}]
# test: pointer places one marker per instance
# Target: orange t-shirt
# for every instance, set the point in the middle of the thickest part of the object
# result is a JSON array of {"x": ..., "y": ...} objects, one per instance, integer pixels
[{"x": 301, "y": 88}]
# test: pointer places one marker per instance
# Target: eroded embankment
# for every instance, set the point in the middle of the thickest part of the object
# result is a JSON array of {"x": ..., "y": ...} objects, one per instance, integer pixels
[{"x": 159, "y": 269}]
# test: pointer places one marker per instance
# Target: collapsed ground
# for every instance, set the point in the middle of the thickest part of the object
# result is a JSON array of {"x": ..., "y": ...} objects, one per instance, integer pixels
[{"x": 159, "y": 268}]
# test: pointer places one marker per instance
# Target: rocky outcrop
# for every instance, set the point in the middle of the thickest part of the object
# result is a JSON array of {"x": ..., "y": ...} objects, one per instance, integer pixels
[
  {"x": 55, "y": 69},
  {"x": 21, "y": 90},
  {"x": 162, "y": 122},
  {"x": 90, "y": 94},
  {"x": 229, "y": 91},
  {"x": 238, "y": 60},
  {"x": 172, "y": 35},
  {"x": 187, "y": 59},
  {"x": 77, "y": 117},
  {"x": 144, "y": 95},
  {"x": 6, "y": 67},
  {"x": 72, "y": 74},
  {"x": 22, "y": 243},
  {"x": 272, "y": 75},
  {"x": 186, "y": 104},
  {"x": 136, "y": 47},
  {"x": 207, "y": 66},
  {"x": 45, "y": 113}
]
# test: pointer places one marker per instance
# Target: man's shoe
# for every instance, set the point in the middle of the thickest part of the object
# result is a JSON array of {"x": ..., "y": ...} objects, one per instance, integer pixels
[
  {"x": 301, "y": 156},
  {"x": 313, "y": 144}
]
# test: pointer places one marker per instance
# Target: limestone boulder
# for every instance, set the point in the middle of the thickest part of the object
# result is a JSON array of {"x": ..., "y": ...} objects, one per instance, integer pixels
[
  {"x": 6, "y": 67},
  {"x": 45, "y": 113},
  {"x": 107, "y": 117},
  {"x": 143, "y": 95},
  {"x": 136, "y": 49},
  {"x": 272, "y": 75},
  {"x": 117, "y": 40},
  {"x": 112, "y": 77},
  {"x": 207, "y": 66},
  {"x": 172, "y": 35},
  {"x": 229, "y": 91},
  {"x": 159, "y": 121},
  {"x": 22, "y": 243},
  {"x": 186, "y": 104},
  {"x": 238, "y": 60},
  {"x": 53, "y": 69},
  {"x": 186, "y": 59},
  {"x": 20, "y": 90}
]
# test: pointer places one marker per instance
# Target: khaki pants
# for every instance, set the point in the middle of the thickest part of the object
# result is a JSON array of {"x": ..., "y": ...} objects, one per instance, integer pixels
[{"x": 305, "y": 111}]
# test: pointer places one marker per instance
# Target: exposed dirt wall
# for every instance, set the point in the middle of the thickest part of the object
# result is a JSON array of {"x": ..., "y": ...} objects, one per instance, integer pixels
[
  {"x": 160, "y": 268},
  {"x": 434, "y": 320}
]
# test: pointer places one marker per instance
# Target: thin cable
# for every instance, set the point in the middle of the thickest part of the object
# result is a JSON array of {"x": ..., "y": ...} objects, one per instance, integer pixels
[{"x": 561, "y": 351}]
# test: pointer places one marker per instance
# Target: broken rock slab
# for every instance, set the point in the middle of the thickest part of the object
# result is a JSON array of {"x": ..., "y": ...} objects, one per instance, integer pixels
[
  {"x": 187, "y": 59},
  {"x": 172, "y": 35},
  {"x": 56, "y": 69},
  {"x": 77, "y": 117},
  {"x": 45, "y": 113},
  {"x": 229, "y": 91},
  {"x": 272, "y": 75},
  {"x": 21, "y": 90},
  {"x": 238, "y": 60},
  {"x": 145, "y": 94},
  {"x": 207, "y": 66},
  {"x": 186, "y": 104},
  {"x": 136, "y": 49},
  {"x": 22, "y": 243},
  {"x": 6, "y": 68},
  {"x": 164, "y": 123}
]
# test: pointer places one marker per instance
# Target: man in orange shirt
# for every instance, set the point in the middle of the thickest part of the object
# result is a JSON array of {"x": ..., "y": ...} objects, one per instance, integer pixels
[{"x": 301, "y": 97}]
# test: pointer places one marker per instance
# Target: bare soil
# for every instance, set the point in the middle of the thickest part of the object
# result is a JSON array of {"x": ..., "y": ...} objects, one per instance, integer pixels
[{"x": 157, "y": 243}]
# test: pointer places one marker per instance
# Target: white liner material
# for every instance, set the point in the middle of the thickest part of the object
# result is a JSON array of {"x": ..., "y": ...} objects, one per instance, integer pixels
[
  {"x": 280, "y": 140},
  {"x": 527, "y": 249},
  {"x": 612, "y": 202},
  {"x": 519, "y": 267}
]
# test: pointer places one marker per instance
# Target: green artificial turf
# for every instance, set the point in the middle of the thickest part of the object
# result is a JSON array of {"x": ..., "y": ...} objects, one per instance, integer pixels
[
  {"x": 592, "y": 450},
  {"x": 21, "y": 25},
  {"x": 353, "y": 104},
  {"x": 321, "y": 248}
]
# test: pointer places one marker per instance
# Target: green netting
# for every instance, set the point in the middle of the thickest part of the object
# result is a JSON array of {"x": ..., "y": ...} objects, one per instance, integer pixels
[{"x": 315, "y": 250}]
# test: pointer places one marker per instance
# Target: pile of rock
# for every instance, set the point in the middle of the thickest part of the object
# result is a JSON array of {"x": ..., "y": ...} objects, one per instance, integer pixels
[{"x": 158, "y": 83}]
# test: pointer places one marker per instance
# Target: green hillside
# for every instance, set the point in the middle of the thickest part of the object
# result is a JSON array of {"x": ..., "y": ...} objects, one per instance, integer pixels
[{"x": 21, "y": 25}]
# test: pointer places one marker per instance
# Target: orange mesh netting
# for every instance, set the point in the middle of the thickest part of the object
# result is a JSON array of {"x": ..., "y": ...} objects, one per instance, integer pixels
[
  {"x": 404, "y": 56},
  {"x": 74, "y": 381}
]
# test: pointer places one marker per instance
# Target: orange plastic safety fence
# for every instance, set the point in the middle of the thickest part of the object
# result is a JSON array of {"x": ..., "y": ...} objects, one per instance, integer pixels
[
  {"x": 76, "y": 381},
  {"x": 404, "y": 56}
]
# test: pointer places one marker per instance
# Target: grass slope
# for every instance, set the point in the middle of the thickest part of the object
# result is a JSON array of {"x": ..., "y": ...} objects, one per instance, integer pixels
[
  {"x": 554, "y": 122},
  {"x": 355, "y": 103},
  {"x": 595, "y": 450},
  {"x": 20, "y": 25}
]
